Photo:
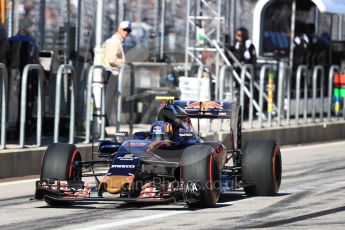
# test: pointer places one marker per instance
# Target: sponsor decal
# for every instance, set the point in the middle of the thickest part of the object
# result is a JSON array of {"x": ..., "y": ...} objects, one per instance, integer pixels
[
  {"x": 186, "y": 134},
  {"x": 157, "y": 129},
  {"x": 128, "y": 157},
  {"x": 121, "y": 134},
  {"x": 137, "y": 144},
  {"x": 123, "y": 166},
  {"x": 192, "y": 187},
  {"x": 204, "y": 105},
  {"x": 193, "y": 105}
]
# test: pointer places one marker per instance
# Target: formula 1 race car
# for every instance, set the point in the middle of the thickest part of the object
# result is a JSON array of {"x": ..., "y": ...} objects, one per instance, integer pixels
[{"x": 168, "y": 163}]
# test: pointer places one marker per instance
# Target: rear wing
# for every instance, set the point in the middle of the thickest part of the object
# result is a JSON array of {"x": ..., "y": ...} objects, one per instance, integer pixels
[
  {"x": 209, "y": 110},
  {"x": 206, "y": 109}
]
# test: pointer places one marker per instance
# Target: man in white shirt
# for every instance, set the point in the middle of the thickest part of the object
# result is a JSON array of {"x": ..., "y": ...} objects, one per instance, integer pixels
[
  {"x": 113, "y": 58},
  {"x": 113, "y": 55}
]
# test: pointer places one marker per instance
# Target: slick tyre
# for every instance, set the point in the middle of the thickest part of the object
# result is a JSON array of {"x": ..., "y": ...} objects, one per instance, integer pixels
[
  {"x": 201, "y": 176},
  {"x": 57, "y": 164},
  {"x": 261, "y": 168}
]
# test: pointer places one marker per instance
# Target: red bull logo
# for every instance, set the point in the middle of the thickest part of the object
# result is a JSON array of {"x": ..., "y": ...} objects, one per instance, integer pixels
[{"x": 204, "y": 105}]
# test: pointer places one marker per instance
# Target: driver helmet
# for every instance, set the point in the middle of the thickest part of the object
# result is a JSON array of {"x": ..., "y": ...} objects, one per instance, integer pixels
[
  {"x": 185, "y": 125},
  {"x": 161, "y": 130}
]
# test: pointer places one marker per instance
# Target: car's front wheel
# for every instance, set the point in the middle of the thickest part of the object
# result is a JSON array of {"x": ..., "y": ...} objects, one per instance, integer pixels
[
  {"x": 201, "y": 176},
  {"x": 57, "y": 165}
]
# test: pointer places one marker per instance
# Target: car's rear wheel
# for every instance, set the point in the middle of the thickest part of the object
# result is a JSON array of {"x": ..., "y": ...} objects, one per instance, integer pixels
[
  {"x": 201, "y": 176},
  {"x": 261, "y": 168},
  {"x": 57, "y": 164}
]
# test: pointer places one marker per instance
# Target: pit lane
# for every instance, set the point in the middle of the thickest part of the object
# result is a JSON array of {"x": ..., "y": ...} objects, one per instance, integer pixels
[{"x": 311, "y": 196}]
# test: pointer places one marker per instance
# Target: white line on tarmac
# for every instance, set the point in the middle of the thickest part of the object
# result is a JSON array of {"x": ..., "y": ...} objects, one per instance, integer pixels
[
  {"x": 153, "y": 217},
  {"x": 135, "y": 220},
  {"x": 18, "y": 182}
]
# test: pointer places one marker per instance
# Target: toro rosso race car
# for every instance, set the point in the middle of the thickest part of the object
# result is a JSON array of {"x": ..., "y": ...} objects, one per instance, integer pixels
[{"x": 168, "y": 163}]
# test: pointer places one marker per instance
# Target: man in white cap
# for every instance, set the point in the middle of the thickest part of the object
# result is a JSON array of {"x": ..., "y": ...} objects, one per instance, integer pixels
[
  {"x": 113, "y": 54},
  {"x": 113, "y": 57}
]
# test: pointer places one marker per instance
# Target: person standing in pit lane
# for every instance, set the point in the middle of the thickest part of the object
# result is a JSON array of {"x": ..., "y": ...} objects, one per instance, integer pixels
[
  {"x": 244, "y": 50},
  {"x": 112, "y": 49}
]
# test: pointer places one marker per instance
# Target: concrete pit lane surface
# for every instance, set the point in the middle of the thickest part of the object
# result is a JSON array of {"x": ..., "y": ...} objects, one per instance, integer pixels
[{"x": 311, "y": 196}]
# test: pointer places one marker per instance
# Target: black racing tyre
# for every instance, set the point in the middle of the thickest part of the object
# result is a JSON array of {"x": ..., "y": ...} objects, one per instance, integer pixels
[
  {"x": 261, "y": 168},
  {"x": 201, "y": 176},
  {"x": 57, "y": 165}
]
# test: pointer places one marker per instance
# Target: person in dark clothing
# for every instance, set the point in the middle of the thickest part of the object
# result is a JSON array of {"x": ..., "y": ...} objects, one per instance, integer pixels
[
  {"x": 22, "y": 51},
  {"x": 300, "y": 46},
  {"x": 3, "y": 45},
  {"x": 305, "y": 46},
  {"x": 24, "y": 36},
  {"x": 245, "y": 53},
  {"x": 244, "y": 50},
  {"x": 312, "y": 45},
  {"x": 323, "y": 44}
]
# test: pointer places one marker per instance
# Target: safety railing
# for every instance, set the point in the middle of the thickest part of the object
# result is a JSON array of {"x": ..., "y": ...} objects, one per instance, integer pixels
[
  {"x": 247, "y": 68},
  {"x": 62, "y": 70},
  {"x": 201, "y": 69},
  {"x": 263, "y": 72},
  {"x": 284, "y": 82},
  {"x": 120, "y": 93},
  {"x": 284, "y": 93},
  {"x": 236, "y": 77},
  {"x": 131, "y": 67},
  {"x": 313, "y": 82},
  {"x": 89, "y": 102},
  {"x": 40, "y": 76},
  {"x": 332, "y": 71},
  {"x": 302, "y": 71},
  {"x": 4, "y": 85},
  {"x": 222, "y": 79},
  {"x": 318, "y": 71}
]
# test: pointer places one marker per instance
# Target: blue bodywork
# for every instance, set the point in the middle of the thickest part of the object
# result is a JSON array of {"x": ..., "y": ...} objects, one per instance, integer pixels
[{"x": 126, "y": 161}]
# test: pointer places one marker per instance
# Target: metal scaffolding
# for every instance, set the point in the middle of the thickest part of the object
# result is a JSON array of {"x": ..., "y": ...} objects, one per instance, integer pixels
[{"x": 204, "y": 23}]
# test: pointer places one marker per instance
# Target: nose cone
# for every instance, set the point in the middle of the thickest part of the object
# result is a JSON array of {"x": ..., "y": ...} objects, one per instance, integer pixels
[{"x": 114, "y": 184}]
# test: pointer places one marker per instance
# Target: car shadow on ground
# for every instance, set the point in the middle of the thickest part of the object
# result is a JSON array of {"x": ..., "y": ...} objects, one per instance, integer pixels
[
  {"x": 228, "y": 197},
  {"x": 79, "y": 205}
]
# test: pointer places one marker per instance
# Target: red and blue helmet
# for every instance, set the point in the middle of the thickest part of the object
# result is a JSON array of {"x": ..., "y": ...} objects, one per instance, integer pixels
[{"x": 161, "y": 130}]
